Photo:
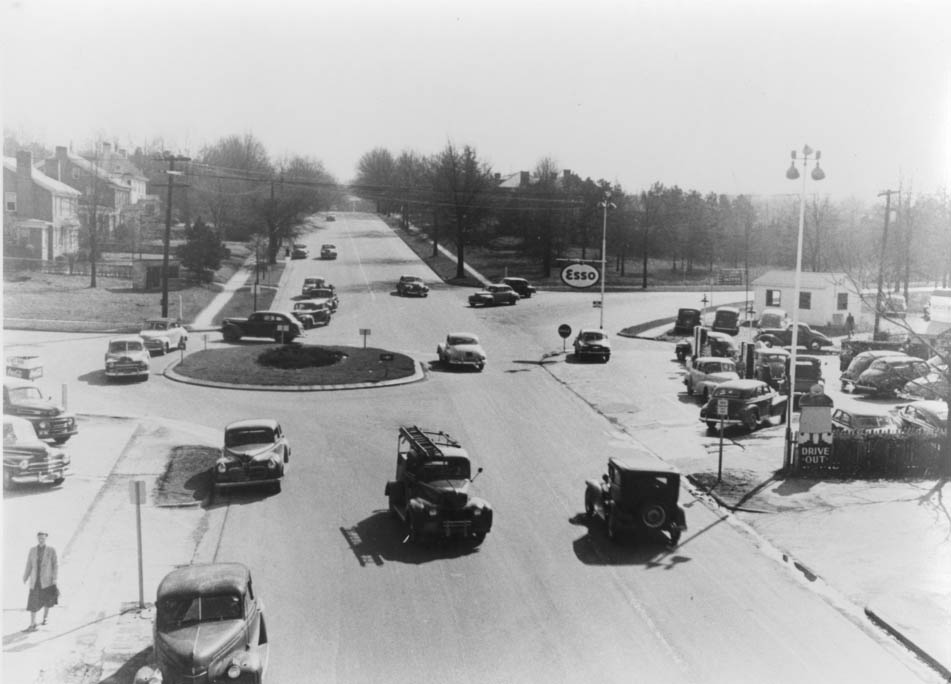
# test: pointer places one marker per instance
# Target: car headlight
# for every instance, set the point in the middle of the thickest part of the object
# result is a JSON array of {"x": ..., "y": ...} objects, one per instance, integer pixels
[
  {"x": 43, "y": 425},
  {"x": 271, "y": 464},
  {"x": 431, "y": 512},
  {"x": 24, "y": 464},
  {"x": 477, "y": 512},
  {"x": 221, "y": 467},
  {"x": 234, "y": 670}
]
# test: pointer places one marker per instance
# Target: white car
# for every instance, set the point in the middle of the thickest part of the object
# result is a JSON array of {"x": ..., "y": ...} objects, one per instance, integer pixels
[
  {"x": 592, "y": 343},
  {"x": 127, "y": 357},
  {"x": 706, "y": 372},
  {"x": 461, "y": 349},
  {"x": 164, "y": 334}
]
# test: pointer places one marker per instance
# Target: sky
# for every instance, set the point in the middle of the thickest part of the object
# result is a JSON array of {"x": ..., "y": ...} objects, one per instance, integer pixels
[{"x": 709, "y": 95}]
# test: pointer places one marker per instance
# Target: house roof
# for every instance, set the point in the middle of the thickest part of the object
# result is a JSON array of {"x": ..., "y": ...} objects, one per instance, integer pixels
[
  {"x": 118, "y": 165},
  {"x": 513, "y": 181},
  {"x": 41, "y": 179},
  {"x": 99, "y": 170},
  {"x": 809, "y": 279}
]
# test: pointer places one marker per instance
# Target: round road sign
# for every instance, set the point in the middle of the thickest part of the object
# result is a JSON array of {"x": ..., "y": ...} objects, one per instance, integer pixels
[
  {"x": 580, "y": 275},
  {"x": 564, "y": 330}
]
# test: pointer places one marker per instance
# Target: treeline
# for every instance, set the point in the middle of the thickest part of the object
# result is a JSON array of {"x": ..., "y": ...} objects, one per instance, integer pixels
[{"x": 550, "y": 213}]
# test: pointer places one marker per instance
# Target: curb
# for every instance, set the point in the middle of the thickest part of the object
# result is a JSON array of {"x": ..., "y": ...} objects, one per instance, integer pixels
[{"x": 883, "y": 624}]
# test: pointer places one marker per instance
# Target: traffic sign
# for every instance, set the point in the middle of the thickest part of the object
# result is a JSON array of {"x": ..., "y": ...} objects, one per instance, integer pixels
[
  {"x": 723, "y": 407},
  {"x": 596, "y": 303},
  {"x": 580, "y": 276},
  {"x": 564, "y": 330}
]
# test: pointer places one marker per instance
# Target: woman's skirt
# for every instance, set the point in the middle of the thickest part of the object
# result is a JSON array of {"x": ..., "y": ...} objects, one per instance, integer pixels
[{"x": 41, "y": 598}]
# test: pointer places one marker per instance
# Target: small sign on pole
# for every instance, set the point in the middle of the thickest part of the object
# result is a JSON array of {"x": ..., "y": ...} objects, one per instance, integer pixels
[
  {"x": 596, "y": 303},
  {"x": 364, "y": 332},
  {"x": 723, "y": 410},
  {"x": 564, "y": 330}
]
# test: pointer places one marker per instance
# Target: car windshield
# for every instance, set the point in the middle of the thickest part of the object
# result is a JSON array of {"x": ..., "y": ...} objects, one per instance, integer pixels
[
  {"x": 449, "y": 469},
  {"x": 463, "y": 339},
  {"x": 158, "y": 325},
  {"x": 872, "y": 421},
  {"x": 177, "y": 611},
  {"x": 121, "y": 346},
  {"x": 251, "y": 435},
  {"x": 731, "y": 393},
  {"x": 591, "y": 336},
  {"x": 718, "y": 367},
  {"x": 24, "y": 393},
  {"x": 322, "y": 292}
]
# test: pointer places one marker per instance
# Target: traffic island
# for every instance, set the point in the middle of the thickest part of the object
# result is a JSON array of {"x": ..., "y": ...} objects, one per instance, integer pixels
[{"x": 295, "y": 367}]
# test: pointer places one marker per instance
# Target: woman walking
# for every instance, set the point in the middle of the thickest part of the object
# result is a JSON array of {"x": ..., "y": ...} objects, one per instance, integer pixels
[{"x": 42, "y": 568}]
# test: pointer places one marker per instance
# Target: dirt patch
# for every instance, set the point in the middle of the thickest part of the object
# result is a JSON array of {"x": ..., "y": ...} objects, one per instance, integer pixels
[{"x": 187, "y": 478}]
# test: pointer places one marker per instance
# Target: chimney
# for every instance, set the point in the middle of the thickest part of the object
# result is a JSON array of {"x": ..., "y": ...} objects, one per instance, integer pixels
[
  {"x": 566, "y": 174},
  {"x": 524, "y": 179},
  {"x": 25, "y": 164},
  {"x": 62, "y": 154},
  {"x": 24, "y": 184}
]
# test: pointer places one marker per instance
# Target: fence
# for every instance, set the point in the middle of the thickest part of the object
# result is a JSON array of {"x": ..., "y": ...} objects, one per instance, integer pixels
[
  {"x": 106, "y": 269},
  {"x": 883, "y": 455}
]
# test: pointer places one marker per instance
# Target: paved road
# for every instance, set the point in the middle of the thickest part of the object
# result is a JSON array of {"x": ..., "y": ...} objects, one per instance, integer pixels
[{"x": 545, "y": 598}]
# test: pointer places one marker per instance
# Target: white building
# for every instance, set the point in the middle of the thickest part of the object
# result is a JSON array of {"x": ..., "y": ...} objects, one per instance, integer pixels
[{"x": 825, "y": 299}]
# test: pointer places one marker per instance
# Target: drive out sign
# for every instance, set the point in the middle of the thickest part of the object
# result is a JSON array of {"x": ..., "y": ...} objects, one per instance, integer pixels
[
  {"x": 564, "y": 330},
  {"x": 580, "y": 276}
]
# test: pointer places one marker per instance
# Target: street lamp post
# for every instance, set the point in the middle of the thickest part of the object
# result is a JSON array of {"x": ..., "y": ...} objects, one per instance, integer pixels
[
  {"x": 792, "y": 173},
  {"x": 606, "y": 204}
]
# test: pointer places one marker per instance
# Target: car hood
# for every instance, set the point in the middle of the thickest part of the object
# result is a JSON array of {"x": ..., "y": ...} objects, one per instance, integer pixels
[
  {"x": 723, "y": 376},
  {"x": 196, "y": 646},
  {"x": 128, "y": 356},
  {"x": 38, "y": 407},
  {"x": 250, "y": 452},
  {"x": 451, "y": 493},
  {"x": 466, "y": 349}
]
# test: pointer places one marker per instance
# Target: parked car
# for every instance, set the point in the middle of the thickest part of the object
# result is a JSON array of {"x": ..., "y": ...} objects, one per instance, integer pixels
[
  {"x": 769, "y": 365},
  {"x": 591, "y": 343},
  {"x": 929, "y": 416},
  {"x": 726, "y": 319},
  {"x": 410, "y": 285},
  {"x": 934, "y": 385},
  {"x": 164, "y": 334},
  {"x": 808, "y": 374},
  {"x": 713, "y": 344},
  {"x": 772, "y": 317},
  {"x": 50, "y": 420},
  {"x": 520, "y": 285},
  {"x": 491, "y": 295},
  {"x": 209, "y": 627},
  {"x": 750, "y": 403},
  {"x": 127, "y": 357},
  {"x": 330, "y": 217},
  {"x": 889, "y": 374},
  {"x": 26, "y": 458},
  {"x": 638, "y": 492},
  {"x": 461, "y": 349},
  {"x": 852, "y": 420},
  {"x": 317, "y": 311},
  {"x": 782, "y": 337},
  {"x": 852, "y": 348},
  {"x": 706, "y": 372},
  {"x": 279, "y": 326},
  {"x": 325, "y": 294},
  {"x": 255, "y": 452},
  {"x": 311, "y": 283},
  {"x": 860, "y": 364},
  {"x": 328, "y": 251},
  {"x": 687, "y": 320},
  {"x": 300, "y": 252}
]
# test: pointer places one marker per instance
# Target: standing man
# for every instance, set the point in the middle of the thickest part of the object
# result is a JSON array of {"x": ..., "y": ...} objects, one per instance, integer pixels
[
  {"x": 850, "y": 324},
  {"x": 42, "y": 568}
]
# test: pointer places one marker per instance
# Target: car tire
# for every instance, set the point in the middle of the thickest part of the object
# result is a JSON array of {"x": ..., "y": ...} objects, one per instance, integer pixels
[
  {"x": 478, "y": 538},
  {"x": 63, "y": 440},
  {"x": 815, "y": 345},
  {"x": 711, "y": 426},
  {"x": 588, "y": 506},
  {"x": 165, "y": 348},
  {"x": 689, "y": 389},
  {"x": 276, "y": 487},
  {"x": 57, "y": 482},
  {"x": 392, "y": 508},
  {"x": 705, "y": 395},
  {"x": 480, "y": 366},
  {"x": 652, "y": 515},
  {"x": 231, "y": 334},
  {"x": 610, "y": 522},
  {"x": 751, "y": 419}
]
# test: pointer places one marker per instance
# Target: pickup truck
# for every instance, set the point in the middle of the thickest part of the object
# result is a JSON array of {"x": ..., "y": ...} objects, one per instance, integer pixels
[
  {"x": 278, "y": 325},
  {"x": 782, "y": 337}
]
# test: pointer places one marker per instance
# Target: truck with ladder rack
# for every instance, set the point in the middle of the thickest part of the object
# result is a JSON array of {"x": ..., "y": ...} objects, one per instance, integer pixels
[{"x": 431, "y": 493}]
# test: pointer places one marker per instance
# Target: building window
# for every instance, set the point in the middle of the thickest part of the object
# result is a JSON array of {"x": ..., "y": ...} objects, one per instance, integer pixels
[
  {"x": 805, "y": 300},
  {"x": 10, "y": 201},
  {"x": 774, "y": 298},
  {"x": 842, "y": 301},
  {"x": 75, "y": 173}
]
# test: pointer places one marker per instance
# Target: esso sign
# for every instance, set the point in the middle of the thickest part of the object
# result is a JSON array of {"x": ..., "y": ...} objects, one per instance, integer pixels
[{"x": 580, "y": 275}]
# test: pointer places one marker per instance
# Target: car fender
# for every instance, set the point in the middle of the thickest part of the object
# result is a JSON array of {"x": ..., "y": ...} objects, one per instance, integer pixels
[{"x": 394, "y": 488}]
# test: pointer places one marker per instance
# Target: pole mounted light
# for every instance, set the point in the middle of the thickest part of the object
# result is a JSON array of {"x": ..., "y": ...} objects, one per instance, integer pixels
[
  {"x": 792, "y": 173},
  {"x": 606, "y": 204}
]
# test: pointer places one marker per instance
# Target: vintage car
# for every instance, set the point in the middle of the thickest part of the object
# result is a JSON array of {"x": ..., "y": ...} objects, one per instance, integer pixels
[
  {"x": 714, "y": 344},
  {"x": 328, "y": 251},
  {"x": 164, "y": 334},
  {"x": 328, "y": 295},
  {"x": 887, "y": 375},
  {"x": 26, "y": 458},
  {"x": 808, "y": 374},
  {"x": 410, "y": 285},
  {"x": 687, "y": 320},
  {"x": 311, "y": 283},
  {"x": 782, "y": 337},
  {"x": 255, "y": 452},
  {"x": 299, "y": 251},
  {"x": 706, "y": 372},
  {"x": 860, "y": 364},
  {"x": 209, "y": 628},
  {"x": 461, "y": 349},
  {"x": 280, "y": 326},
  {"x": 127, "y": 357},
  {"x": 330, "y": 217},
  {"x": 52, "y": 423},
  {"x": 520, "y": 285},
  {"x": 927, "y": 416},
  {"x": 592, "y": 343},
  {"x": 772, "y": 317},
  {"x": 749, "y": 403},
  {"x": 852, "y": 420},
  {"x": 769, "y": 365},
  {"x": 935, "y": 385},
  {"x": 726, "y": 319},
  {"x": 491, "y": 295},
  {"x": 316, "y": 311},
  {"x": 639, "y": 491}
]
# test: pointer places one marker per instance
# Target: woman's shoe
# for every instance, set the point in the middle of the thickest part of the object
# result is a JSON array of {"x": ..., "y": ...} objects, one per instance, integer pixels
[
  {"x": 44, "y": 621},
  {"x": 31, "y": 628}
]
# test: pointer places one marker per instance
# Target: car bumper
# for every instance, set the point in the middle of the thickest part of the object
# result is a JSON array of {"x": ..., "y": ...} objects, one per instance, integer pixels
[
  {"x": 245, "y": 478},
  {"x": 466, "y": 362},
  {"x": 45, "y": 477},
  {"x": 125, "y": 372}
]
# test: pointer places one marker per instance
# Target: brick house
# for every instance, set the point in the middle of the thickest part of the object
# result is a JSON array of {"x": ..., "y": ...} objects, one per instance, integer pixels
[{"x": 40, "y": 214}]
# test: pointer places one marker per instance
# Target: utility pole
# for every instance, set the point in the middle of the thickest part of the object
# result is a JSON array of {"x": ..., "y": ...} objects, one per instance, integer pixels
[
  {"x": 171, "y": 159},
  {"x": 881, "y": 262}
]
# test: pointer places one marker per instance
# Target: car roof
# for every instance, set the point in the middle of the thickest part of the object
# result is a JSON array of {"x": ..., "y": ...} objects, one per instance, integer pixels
[
  {"x": 742, "y": 383},
  {"x": 508, "y": 279},
  {"x": 463, "y": 334},
  {"x": 728, "y": 308},
  {"x": 935, "y": 407},
  {"x": 206, "y": 578},
  {"x": 252, "y": 423},
  {"x": 126, "y": 338},
  {"x": 705, "y": 359},
  {"x": 592, "y": 330},
  {"x": 642, "y": 461},
  {"x": 717, "y": 335}
]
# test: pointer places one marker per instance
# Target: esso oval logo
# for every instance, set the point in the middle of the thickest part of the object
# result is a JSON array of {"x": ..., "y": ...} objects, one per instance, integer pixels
[{"x": 580, "y": 275}]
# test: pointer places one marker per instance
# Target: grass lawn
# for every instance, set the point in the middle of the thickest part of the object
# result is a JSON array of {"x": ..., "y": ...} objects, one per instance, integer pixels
[{"x": 240, "y": 365}]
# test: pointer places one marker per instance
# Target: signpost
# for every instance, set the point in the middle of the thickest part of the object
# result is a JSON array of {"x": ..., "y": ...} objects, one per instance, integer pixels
[
  {"x": 137, "y": 495},
  {"x": 565, "y": 331},
  {"x": 364, "y": 332},
  {"x": 723, "y": 410}
]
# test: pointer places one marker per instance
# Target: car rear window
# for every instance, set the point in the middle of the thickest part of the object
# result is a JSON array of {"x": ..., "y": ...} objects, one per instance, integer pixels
[
  {"x": 179, "y": 611},
  {"x": 242, "y": 436}
]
